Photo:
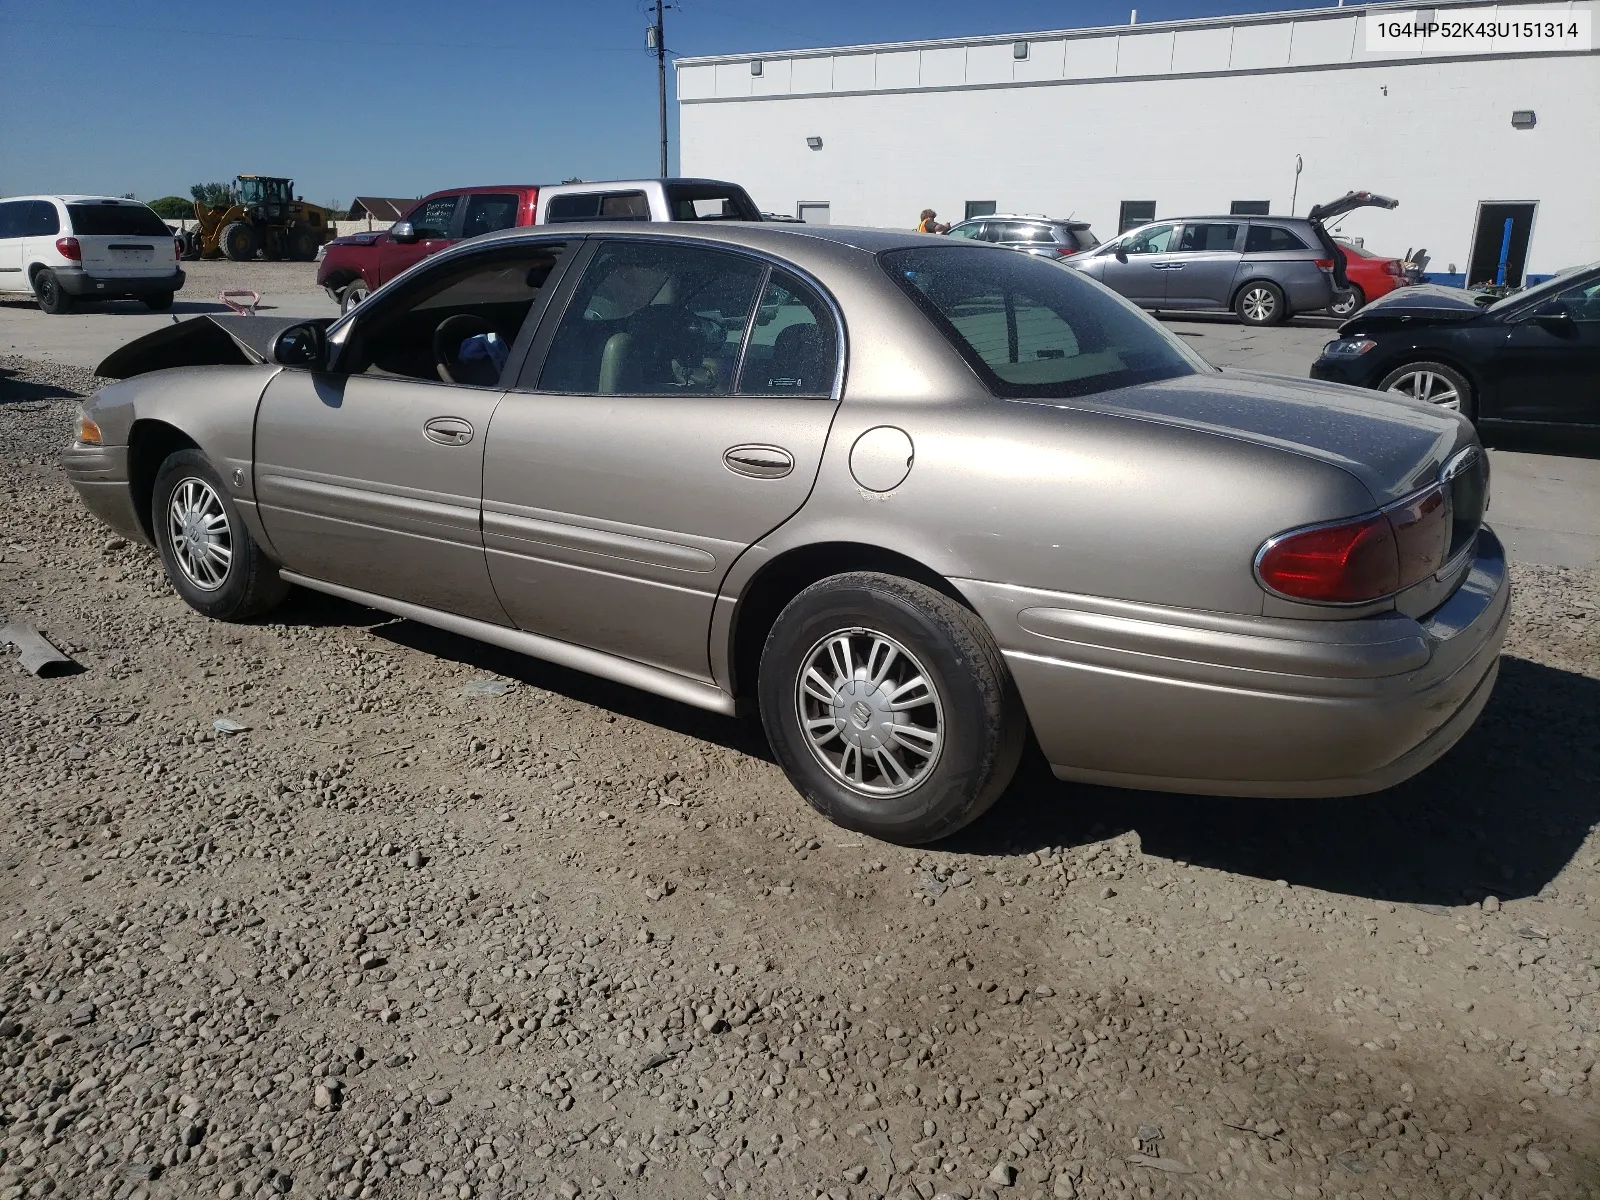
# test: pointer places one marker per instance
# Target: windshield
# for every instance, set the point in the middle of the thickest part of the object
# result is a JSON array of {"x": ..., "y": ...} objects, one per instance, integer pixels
[
  {"x": 1554, "y": 284},
  {"x": 1032, "y": 328},
  {"x": 116, "y": 220}
]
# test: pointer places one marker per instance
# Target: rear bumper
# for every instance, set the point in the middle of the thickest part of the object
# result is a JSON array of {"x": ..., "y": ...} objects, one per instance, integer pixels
[
  {"x": 81, "y": 283},
  {"x": 1140, "y": 696},
  {"x": 99, "y": 474}
]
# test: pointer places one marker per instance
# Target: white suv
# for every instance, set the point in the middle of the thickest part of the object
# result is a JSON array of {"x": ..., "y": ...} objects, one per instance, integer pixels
[{"x": 66, "y": 248}]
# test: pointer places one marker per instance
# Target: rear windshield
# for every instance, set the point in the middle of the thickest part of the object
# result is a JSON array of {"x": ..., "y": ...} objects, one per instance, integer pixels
[
  {"x": 117, "y": 220},
  {"x": 710, "y": 202},
  {"x": 1032, "y": 328}
]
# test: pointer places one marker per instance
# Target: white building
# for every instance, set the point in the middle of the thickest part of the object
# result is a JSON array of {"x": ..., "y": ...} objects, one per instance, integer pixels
[{"x": 1123, "y": 124}]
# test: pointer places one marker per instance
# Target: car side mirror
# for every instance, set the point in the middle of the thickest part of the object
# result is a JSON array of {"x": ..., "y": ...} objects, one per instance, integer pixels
[
  {"x": 1554, "y": 317},
  {"x": 304, "y": 345},
  {"x": 1121, "y": 253},
  {"x": 403, "y": 232}
]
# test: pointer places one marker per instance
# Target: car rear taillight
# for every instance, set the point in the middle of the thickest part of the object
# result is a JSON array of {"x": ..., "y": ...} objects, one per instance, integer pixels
[
  {"x": 177, "y": 250},
  {"x": 1325, "y": 263},
  {"x": 1065, "y": 251},
  {"x": 1362, "y": 559},
  {"x": 1393, "y": 267},
  {"x": 68, "y": 248}
]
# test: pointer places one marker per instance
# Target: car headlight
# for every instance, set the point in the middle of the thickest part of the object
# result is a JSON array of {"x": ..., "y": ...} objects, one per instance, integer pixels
[
  {"x": 87, "y": 432},
  {"x": 1348, "y": 347}
]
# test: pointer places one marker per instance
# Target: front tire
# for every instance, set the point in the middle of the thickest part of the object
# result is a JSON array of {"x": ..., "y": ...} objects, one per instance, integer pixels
[
  {"x": 52, "y": 297},
  {"x": 1260, "y": 303},
  {"x": 353, "y": 294},
  {"x": 206, "y": 549},
  {"x": 1433, "y": 383},
  {"x": 238, "y": 241},
  {"x": 889, "y": 707}
]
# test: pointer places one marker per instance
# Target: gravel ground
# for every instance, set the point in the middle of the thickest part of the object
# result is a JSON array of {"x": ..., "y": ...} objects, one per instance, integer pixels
[
  {"x": 205, "y": 277},
  {"x": 444, "y": 922}
]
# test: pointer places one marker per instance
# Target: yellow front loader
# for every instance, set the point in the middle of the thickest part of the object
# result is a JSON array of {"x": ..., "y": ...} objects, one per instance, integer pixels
[{"x": 265, "y": 218}]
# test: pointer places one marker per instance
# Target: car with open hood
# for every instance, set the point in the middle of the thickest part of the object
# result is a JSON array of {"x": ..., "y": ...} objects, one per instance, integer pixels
[
  {"x": 906, "y": 498},
  {"x": 1532, "y": 357}
]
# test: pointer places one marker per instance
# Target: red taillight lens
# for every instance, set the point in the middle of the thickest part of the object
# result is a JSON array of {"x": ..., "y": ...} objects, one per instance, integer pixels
[
  {"x": 1395, "y": 269},
  {"x": 1334, "y": 564},
  {"x": 1325, "y": 263},
  {"x": 69, "y": 248},
  {"x": 1363, "y": 559},
  {"x": 177, "y": 250}
]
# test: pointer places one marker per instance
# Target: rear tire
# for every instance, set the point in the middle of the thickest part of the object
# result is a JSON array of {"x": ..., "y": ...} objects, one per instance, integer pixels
[
  {"x": 206, "y": 549},
  {"x": 238, "y": 241},
  {"x": 158, "y": 301},
  {"x": 1348, "y": 302},
  {"x": 353, "y": 294},
  {"x": 302, "y": 245},
  {"x": 1260, "y": 302},
  {"x": 889, "y": 707},
  {"x": 1433, "y": 383},
  {"x": 52, "y": 297}
]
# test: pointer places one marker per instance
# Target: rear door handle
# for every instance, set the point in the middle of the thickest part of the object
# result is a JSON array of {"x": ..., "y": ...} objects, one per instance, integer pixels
[
  {"x": 759, "y": 462},
  {"x": 447, "y": 431}
]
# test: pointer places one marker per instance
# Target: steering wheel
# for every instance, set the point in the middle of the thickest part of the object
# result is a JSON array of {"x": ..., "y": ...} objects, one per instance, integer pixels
[{"x": 447, "y": 339}]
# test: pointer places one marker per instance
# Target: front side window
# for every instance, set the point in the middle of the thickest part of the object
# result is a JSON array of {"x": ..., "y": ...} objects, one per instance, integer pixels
[
  {"x": 970, "y": 230},
  {"x": 487, "y": 212},
  {"x": 431, "y": 218},
  {"x": 1155, "y": 240},
  {"x": 1271, "y": 239},
  {"x": 455, "y": 323},
  {"x": 1208, "y": 236},
  {"x": 115, "y": 220},
  {"x": 653, "y": 318},
  {"x": 1030, "y": 329},
  {"x": 1583, "y": 302},
  {"x": 793, "y": 348},
  {"x": 14, "y": 217}
]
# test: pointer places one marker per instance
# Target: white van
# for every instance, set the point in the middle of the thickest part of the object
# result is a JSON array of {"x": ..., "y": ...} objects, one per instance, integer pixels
[{"x": 66, "y": 248}]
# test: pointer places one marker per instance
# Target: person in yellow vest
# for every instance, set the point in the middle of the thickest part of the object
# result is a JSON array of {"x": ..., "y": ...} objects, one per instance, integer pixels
[{"x": 928, "y": 223}]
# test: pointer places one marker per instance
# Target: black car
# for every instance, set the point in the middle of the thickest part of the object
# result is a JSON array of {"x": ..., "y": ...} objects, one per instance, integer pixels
[{"x": 1533, "y": 356}]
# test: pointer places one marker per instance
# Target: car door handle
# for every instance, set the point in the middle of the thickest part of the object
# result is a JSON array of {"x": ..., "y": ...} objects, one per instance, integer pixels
[
  {"x": 447, "y": 431},
  {"x": 759, "y": 462}
]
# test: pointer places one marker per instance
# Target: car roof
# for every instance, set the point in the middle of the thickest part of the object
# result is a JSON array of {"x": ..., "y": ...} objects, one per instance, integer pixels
[
  {"x": 1069, "y": 221},
  {"x": 772, "y": 236},
  {"x": 609, "y": 184},
  {"x": 75, "y": 199}
]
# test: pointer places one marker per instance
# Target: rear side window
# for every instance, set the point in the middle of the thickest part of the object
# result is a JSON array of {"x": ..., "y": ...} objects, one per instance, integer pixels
[
  {"x": 793, "y": 348},
  {"x": 1035, "y": 233},
  {"x": 431, "y": 218},
  {"x": 488, "y": 212},
  {"x": 599, "y": 206},
  {"x": 1209, "y": 236},
  {"x": 654, "y": 319},
  {"x": 710, "y": 202},
  {"x": 43, "y": 221},
  {"x": 115, "y": 220},
  {"x": 1265, "y": 239},
  {"x": 1030, "y": 329}
]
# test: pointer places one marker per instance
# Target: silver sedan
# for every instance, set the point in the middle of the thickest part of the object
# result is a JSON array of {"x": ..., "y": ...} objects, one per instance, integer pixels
[{"x": 905, "y": 497}]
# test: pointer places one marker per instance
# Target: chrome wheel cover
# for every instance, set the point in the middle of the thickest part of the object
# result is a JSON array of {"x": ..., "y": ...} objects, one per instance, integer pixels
[
  {"x": 869, "y": 712},
  {"x": 354, "y": 295},
  {"x": 1259, "y": 304},
  {"x": 1344, "y": 304},
  {"x": 202, "y": 541},
  {"x": 1428, "y": 386}
]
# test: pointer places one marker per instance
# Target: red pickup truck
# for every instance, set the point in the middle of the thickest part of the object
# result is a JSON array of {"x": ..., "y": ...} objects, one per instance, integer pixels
[{"x": 352, "y": 267}]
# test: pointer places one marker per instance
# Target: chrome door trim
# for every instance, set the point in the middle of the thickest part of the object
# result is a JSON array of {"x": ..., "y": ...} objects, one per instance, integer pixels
[
  {"x": 758, "y": 461},
  {"x": 564, "y": 654},
  {"x": 499, "y": 522}
]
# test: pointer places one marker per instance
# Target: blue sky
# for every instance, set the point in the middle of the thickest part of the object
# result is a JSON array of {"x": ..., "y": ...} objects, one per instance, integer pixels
[{"x": 401, "y": 97}]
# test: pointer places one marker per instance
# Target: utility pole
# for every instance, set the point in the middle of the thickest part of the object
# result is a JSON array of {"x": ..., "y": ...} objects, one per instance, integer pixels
[{"x": 658, "y": 38}]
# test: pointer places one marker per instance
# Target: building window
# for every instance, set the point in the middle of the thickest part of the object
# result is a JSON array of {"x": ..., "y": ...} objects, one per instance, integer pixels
[
  {"x": 1250, "y": 208},
  {"x": 978, "y": 208},
  {"x": 1135, "y": 213}
]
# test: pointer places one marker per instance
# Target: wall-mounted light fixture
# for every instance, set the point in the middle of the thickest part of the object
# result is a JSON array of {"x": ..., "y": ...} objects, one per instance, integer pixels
[
  {"x": 1019, "y": 50},
  {"x": 755, "y": 66},
  {"x": 814, "y": 142},
  {"x": 1524, "y": 118}
]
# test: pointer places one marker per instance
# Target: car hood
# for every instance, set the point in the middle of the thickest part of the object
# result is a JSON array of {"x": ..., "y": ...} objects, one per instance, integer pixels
[
  {"x": 358, "y": 239},
  {"x": 214, "y": 340},
  {"x": 1427, "y": 304},
  {"x": 1391, "y": 444}
]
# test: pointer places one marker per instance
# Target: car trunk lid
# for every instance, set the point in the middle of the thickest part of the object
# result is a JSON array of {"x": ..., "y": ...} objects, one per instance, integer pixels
[
  {"x": 1322, "y": 213},
  {"x": 1391, "y": 444}
]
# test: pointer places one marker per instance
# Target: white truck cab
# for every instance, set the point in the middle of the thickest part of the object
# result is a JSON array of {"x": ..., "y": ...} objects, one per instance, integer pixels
[{"x": 646, "y": 200}]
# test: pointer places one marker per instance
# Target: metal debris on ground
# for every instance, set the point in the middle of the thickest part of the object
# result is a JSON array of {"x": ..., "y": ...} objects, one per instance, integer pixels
[
  {"x": 229, "y": 726},
  {"x": 38, "y": 655},
  {"x": 487, "y": 687}
]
